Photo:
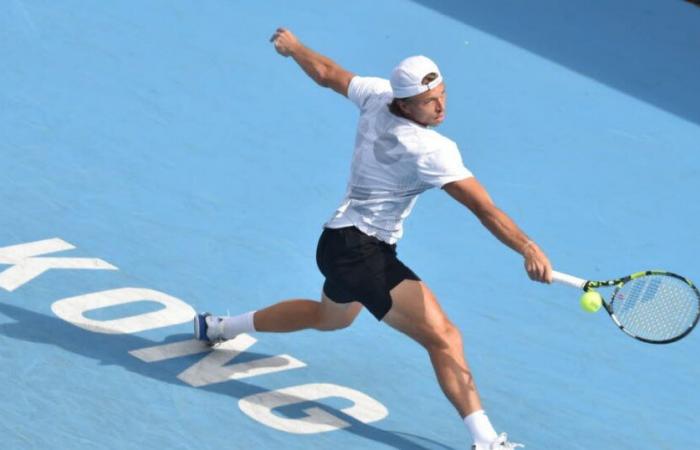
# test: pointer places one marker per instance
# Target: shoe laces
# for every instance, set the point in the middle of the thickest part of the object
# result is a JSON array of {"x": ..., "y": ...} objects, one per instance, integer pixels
[{"x": 216, "y": 326}]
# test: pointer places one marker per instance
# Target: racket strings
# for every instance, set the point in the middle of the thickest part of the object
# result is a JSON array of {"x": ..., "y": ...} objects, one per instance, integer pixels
[{"x": 656, "y": 307}]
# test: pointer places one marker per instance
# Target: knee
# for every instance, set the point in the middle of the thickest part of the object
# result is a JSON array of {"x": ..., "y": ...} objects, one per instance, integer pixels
[
  {"x": 444, "y": 336},
  {"x": 451, "y": 334}
]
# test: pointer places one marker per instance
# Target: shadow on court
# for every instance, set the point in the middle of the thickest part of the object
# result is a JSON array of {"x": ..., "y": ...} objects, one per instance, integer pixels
[
  {"x": 646, "y": 48},
  {"x": 113, "y": 350}
]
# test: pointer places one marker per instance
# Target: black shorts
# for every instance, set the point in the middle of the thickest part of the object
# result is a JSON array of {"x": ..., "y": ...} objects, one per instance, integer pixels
[{"x": 360, "y": 268}]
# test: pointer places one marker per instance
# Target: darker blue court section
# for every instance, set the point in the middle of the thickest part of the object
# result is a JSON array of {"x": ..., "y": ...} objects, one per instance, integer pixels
[
  {"x": 169, "y": 140},
  {"x": 644, "y": 49}
]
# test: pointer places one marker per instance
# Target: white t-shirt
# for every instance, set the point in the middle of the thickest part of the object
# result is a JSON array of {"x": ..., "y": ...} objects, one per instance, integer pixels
[{"x": 395, "y": 159}]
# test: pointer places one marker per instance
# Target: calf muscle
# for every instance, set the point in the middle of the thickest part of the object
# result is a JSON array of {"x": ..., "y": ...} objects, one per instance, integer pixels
[{"x": 416, "y": 313}]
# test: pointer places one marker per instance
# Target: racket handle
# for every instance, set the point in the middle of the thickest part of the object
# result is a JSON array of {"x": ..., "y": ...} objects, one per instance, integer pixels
[{"x": 571, "y": 280}]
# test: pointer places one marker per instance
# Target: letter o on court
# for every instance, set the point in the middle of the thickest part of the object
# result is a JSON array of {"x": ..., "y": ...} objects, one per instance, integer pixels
[
  {"x": 260, "y": 406},
  {"x": 73, "y": 310}
]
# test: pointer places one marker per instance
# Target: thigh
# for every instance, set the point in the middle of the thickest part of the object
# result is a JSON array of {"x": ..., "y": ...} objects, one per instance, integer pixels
[{"x": 416, "y": 312}]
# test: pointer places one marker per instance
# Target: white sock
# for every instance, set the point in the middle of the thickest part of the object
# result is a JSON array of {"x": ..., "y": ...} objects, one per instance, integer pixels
[
  {"x": 480, "y": 428},
  {"x": 242, "y": 323}
]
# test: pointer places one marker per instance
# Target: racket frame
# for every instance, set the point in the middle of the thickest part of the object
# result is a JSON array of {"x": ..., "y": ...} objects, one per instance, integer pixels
[{"x": 589, "y": 285}]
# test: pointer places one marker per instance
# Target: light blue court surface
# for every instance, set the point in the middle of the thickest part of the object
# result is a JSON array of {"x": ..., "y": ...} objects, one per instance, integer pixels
[{"x": 166, "y": 153}]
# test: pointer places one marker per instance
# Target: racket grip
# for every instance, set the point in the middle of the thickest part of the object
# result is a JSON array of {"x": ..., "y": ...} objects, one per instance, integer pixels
[{"x": 571, "y": 280}]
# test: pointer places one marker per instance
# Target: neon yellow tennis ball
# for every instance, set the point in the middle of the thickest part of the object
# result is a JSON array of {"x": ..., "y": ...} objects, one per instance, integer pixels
[{"x": 591, "y": 301}]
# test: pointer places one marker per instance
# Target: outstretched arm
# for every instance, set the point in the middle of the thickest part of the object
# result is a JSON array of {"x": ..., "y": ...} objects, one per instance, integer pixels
[
  {"x": 321, "y": 69},
  {"x": 472, "y": 194}
]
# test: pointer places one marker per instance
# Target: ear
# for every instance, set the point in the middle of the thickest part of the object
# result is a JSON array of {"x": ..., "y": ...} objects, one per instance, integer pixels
[{"x": 404, "y": 108}]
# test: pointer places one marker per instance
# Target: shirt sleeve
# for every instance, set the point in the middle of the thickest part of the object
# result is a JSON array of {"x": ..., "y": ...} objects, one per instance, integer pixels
[
  {"x": 362, "y": 89},
  {"x": 441, "y": 166}
]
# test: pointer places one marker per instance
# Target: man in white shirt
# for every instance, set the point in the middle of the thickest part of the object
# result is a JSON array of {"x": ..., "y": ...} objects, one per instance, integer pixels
[{"x": 397, "y": 156}]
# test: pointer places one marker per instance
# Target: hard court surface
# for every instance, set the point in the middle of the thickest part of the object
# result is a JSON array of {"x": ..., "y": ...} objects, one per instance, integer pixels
[{"x": 159, "y": 158}]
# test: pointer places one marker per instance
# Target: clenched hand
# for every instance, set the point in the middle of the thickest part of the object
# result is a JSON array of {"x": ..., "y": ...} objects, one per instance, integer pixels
[{"x": 285, "y": 42}]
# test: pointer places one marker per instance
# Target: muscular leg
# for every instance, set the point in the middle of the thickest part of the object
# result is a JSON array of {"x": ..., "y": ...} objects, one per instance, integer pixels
[
  {"x": 416, "y": 313},
  {"x": 295, "y": 315}
]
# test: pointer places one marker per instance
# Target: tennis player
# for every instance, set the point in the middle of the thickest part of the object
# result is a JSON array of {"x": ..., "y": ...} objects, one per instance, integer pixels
[{"x": 397, "y": 156}]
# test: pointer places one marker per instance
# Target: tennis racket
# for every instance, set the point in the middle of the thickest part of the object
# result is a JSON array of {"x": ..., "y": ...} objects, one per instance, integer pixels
[{"x": 653, "y": 306}]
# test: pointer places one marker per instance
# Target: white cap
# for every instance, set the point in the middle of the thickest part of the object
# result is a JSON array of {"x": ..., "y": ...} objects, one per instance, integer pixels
[{"x": 407, "y": 77}]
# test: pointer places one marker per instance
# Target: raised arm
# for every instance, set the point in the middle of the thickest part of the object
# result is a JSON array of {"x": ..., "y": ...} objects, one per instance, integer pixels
[
  {"x": 321, "y": 69},
  {"x": 472, "y": 194}
]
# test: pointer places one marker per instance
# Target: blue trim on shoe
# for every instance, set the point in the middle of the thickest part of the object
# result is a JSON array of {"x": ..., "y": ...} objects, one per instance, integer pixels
[{"x": 200, "y": 327}]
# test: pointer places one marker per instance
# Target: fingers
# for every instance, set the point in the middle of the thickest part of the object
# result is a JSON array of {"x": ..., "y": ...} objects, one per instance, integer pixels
[
  {"x": 548, "y": 273},
  {"x": 277, "y": 34},
  {"x": 538, "y": 272},
  {"x": 538, "y": 267},
  {"x": 282, "y": 34},
  {"x": 284, "y": 41}
]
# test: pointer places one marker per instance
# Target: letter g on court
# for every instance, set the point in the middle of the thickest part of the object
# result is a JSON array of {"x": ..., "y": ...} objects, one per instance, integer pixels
[{"x": 260, "y": 407}]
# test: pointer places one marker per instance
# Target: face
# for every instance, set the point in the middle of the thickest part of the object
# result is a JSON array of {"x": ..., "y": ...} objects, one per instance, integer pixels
[{"x": 428, "y": 108}]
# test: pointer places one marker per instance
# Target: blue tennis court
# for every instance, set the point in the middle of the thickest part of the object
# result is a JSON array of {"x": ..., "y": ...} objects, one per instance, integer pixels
[{"x": 160, "y": 158}]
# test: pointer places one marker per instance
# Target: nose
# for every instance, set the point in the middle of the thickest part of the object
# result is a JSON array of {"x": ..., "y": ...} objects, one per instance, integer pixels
[{"x": 440, "y": 104}]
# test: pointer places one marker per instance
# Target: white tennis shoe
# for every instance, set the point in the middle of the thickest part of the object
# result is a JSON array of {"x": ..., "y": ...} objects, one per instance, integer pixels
[
  {"x": 209, "y": 328},
  {"x": 501, "y": 443}
]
